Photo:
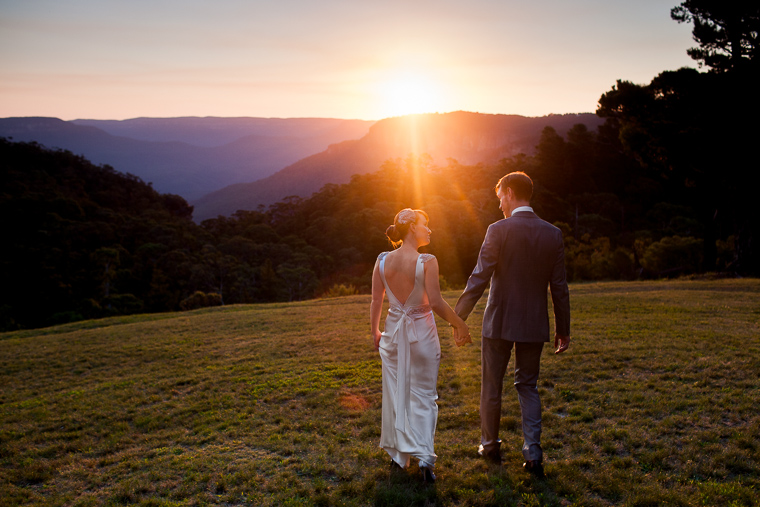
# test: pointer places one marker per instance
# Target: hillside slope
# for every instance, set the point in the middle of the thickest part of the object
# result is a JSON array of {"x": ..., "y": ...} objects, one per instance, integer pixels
[
  {"x": 469, "y": 138},
  {"x": 261, "y": 404}
]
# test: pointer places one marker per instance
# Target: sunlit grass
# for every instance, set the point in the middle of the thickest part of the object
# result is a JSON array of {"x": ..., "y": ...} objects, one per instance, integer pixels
[{"x": 654, "y": 404}]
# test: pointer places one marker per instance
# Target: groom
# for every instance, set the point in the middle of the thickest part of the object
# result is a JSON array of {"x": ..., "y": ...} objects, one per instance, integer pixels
[{"x": 521, "y": 255}]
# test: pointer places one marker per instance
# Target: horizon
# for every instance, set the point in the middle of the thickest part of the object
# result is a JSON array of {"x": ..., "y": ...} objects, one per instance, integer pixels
[
  {"x": 294, "y": 117},
  {"x": 89, "y": 60}
]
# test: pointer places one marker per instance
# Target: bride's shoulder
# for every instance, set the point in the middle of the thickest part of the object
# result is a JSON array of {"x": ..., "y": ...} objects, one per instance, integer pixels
[
  {"x": 426, "y": 257},
  {"x": 382, "y": 255}
]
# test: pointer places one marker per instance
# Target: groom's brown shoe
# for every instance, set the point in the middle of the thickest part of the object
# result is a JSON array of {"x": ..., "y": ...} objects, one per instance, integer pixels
[
  {"x": 535, "y": 468},
  {"x": 492, "y": 456}
]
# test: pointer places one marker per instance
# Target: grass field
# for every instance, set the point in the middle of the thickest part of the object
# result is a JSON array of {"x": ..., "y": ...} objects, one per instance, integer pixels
[{"x": 657, "y": 402}]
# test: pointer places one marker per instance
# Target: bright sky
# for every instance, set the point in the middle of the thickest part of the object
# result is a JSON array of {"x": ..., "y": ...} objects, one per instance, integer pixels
[{"x": 363, "y": 59}]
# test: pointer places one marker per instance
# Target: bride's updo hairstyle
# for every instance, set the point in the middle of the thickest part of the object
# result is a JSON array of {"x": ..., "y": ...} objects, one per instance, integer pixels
[{"x": 404, "y": 218}]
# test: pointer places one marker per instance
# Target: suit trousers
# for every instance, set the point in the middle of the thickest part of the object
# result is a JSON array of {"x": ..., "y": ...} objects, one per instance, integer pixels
[{"x": 495, "y": 354}]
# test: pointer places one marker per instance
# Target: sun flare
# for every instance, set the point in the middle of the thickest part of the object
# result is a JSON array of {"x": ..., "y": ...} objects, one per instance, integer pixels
[{"x": 409, "y": 93}]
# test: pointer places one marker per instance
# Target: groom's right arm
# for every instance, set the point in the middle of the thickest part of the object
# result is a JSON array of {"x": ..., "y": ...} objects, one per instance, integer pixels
[{"x": 481, "y": 275}]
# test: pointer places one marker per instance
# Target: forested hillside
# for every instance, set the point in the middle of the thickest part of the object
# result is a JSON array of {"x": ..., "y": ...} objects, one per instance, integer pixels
[
  {"x": 85, "y": 241},
  {"x": 80, "y": 240}
]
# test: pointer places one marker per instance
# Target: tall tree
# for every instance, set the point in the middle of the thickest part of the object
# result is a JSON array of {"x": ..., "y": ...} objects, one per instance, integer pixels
[
  {"x": 726, "y": 31},
  {"x": 673, "y": 127},
  {"x": 699, "y": 129}
]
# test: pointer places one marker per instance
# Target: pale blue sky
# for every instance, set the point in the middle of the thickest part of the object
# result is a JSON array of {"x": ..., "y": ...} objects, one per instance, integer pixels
[{"x": 330, "y": 58}]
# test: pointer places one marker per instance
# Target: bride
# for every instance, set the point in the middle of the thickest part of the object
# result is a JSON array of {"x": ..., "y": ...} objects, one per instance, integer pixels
[{"x": 409, "y": 346}]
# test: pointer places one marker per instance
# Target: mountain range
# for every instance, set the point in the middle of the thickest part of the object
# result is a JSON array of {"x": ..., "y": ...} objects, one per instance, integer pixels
[
  {"x": 221, "y": 165},
  {"x": 469, "y": 138},
  {"x": 189, "y": 156}
]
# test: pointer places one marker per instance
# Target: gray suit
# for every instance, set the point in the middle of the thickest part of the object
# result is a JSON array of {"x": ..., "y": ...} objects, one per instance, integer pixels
[{"x": 521, "y": 256}]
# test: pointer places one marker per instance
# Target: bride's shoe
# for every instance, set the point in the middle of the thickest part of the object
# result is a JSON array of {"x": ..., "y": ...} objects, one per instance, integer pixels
[{"x": 427, "y": 475}]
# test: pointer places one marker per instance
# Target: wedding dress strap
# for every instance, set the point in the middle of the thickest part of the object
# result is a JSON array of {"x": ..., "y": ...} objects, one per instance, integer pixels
[
  {"x": 426, "y": 257},
  {"x": 391, "y": 297}
]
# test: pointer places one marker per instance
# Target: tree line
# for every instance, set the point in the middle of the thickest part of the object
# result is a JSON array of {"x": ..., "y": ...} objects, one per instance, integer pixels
[{"x": 83, "y": 241}]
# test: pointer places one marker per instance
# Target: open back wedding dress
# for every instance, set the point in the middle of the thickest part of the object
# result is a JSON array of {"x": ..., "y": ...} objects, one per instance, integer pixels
[{"x": 411, "y": 355}]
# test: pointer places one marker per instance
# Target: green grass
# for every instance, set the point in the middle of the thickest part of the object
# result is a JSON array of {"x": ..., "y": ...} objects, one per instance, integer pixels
[{"x": 655, "y": 403}]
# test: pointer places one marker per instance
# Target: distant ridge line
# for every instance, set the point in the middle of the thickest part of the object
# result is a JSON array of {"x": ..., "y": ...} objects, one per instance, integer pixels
[{"x": 467, "y": 137}]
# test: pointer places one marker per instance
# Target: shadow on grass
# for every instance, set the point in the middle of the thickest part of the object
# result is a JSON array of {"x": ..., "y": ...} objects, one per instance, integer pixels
[
  {"x": 396, "y": 487},
  {"x": 496, "y": 486},
  {"x": 515, "y": 486}
]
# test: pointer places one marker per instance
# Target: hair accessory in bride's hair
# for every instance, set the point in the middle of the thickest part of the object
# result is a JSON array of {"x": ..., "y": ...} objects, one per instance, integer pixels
[{"x": 406, "y": 216}]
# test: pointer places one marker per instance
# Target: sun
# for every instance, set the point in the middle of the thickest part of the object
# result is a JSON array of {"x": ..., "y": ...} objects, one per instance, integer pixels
[{"x": 409, "y": 93}]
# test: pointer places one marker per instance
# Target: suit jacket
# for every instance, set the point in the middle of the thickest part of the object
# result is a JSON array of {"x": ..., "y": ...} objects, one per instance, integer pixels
[{"x": 521, "y": 256}]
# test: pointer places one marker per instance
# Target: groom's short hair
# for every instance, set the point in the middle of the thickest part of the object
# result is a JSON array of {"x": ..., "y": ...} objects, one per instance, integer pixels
[{"x": 519, "y": 182}]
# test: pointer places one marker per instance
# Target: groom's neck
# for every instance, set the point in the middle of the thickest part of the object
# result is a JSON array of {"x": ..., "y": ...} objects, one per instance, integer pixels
[{"x": 516, "y": 204}]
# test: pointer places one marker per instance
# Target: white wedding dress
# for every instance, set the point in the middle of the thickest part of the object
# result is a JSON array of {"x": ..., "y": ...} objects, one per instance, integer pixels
[{"x": 411, "y": 354}]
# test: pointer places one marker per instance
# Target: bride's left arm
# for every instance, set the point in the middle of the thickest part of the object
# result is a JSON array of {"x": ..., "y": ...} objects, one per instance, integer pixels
[{"x": 376, "y": 307}]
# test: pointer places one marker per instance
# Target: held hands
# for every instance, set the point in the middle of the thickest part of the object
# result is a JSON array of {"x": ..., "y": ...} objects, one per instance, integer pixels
[
  {"x": 561, "y": 343},
  {"x": 462, "y": 335}
]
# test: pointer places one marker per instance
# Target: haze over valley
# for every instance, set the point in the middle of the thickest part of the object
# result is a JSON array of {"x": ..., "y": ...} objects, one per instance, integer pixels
[
  {"x": 221, "y": 165},
  {"x": 189, "y": 156}
]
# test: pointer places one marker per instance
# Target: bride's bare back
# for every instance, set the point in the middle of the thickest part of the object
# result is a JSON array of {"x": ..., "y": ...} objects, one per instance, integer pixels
[{"x": 400, "y": 266}]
